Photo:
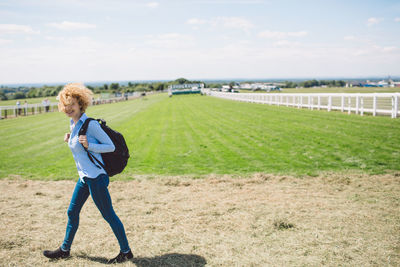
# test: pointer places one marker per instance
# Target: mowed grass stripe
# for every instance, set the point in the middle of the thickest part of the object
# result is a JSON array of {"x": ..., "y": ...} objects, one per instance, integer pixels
[
  {"x": 222, "y": 152},
  {"x": 251, "y": 145},
  {"x": 331, "y": 137},
  {"x": 200, "y": 133},
  {"x": 196, "y": 135},
  {"x": 227, "y": 138}
]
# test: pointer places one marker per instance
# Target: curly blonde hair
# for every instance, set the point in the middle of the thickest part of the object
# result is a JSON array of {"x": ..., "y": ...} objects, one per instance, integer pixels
[{"x": 74, "y": 90}]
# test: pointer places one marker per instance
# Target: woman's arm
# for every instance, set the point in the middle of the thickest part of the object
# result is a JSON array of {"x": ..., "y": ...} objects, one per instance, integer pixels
[{"x": 105, "y": 144}]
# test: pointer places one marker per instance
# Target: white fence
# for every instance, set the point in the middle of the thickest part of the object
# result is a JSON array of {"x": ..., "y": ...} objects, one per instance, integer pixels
[{"x": 375, "y": 103}]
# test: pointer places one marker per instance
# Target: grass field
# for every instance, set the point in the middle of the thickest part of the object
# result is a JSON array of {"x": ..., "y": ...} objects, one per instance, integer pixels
[
  {"x": 211, "y": 182},
  {"x": 199, "y": 135}
]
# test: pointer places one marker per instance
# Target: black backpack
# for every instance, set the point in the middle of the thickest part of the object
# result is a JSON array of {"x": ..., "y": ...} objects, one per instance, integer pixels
[{"x": 114, "y": 162}]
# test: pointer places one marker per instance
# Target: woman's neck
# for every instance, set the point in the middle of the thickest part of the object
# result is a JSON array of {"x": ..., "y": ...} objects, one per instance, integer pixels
[{"x": 76, "y": 119}]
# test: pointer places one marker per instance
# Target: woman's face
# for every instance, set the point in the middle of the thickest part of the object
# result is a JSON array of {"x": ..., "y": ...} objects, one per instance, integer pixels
[{"x": 73, "y": 110}]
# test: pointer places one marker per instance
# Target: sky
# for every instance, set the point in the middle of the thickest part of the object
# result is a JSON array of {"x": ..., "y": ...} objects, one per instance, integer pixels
[{"x": 119, "y": 40}]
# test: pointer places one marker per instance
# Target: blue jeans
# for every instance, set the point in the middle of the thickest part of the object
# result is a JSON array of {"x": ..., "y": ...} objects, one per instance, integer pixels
[{"x": 97, "y": 188}]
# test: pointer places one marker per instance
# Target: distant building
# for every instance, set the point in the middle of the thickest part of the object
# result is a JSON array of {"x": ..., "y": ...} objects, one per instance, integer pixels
[
  {"x": 226, "y": 88},
  {"x": 187, "y": 88},
  {"x": 197, "y": 86},
  {"x": 261, "y": 86},
  {"x": 395, "y": 84}
]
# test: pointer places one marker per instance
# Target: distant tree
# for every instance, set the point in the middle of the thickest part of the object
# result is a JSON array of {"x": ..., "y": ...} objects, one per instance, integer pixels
[
  {"x": 114, "y": 86},
  {"x": 19, "y": 95},
  {"x": 54, "y": 92},
  {"x": 306, "y": 84},
  {"x": 159, "y": 86},
  {"x": 314, "y": 83},
  {"x": 31, "y": 93},
  {"x": 215, "y": 85},
  {"x": 140, "y": 88},
  {"x": 182, "y": 81},
  {"x": 340, "y": 83},
  {"x": 291, "y": 85},
  {"x": 105, "y": 86},
  {"x": 3, "y": 96}
]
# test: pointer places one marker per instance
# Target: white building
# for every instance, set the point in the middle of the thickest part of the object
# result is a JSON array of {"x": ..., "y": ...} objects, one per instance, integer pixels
[{"x": 260, "y": 86}]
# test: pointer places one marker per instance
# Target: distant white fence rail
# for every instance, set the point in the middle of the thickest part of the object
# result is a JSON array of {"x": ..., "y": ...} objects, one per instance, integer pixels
[
  {"x": 374, "y": 103},
  {"x": 33, "y": 109}
]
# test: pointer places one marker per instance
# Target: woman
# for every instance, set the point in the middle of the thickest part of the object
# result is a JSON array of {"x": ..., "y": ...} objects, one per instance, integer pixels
[{"x": 73, "y": 101}]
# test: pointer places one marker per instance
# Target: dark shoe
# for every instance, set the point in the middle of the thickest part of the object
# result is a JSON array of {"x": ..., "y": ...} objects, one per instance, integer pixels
[
  {"x": 56, "y": 254},
  {"x": 122, "y": 257}
]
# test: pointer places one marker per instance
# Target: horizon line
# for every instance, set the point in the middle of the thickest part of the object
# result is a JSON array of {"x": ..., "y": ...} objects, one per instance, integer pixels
[{"x": 209, "y": 79}]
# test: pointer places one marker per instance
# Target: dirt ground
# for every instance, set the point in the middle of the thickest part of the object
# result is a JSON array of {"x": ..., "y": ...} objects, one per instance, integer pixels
[{"x": 262, "y": 220}]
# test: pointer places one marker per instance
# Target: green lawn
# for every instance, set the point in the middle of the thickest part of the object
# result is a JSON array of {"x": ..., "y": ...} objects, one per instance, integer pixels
[{"x": 198, "y": 135}]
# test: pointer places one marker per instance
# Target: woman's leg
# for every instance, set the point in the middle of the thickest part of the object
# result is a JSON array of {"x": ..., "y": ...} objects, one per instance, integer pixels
[
  {"x": 101, "y": 197},
  {"x": 79, "y": 197}
]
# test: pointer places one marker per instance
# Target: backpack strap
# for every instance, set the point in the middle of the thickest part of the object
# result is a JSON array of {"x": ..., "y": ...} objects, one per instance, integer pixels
[{"x": 82, "y": 131}]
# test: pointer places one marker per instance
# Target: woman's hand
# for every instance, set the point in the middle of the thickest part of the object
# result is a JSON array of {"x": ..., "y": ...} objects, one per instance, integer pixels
[
  {"x": 83, "y": 141},
  {"x": 66, "y": 137}
]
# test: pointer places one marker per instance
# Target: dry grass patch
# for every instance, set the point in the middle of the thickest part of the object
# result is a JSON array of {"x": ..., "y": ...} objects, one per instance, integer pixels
[{"x": 263, "y": 220}]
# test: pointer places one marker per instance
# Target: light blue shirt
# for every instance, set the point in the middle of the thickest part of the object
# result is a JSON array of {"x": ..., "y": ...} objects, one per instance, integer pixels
[{"x": 99, "y": 142}]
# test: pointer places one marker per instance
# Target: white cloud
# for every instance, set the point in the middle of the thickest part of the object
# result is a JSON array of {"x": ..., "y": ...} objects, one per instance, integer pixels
[
  {"x": 15, "y": 29},
  {"x": 397, "y": 19},
  {"x": 169, "y": 40},
  {"x": 196, "y": 21},
  {"x": 5, "y": 41},
  {"x": 245, "y": 2},
  {"x": 53, "y": 38},
  {"x": 281, "y": 35},
  {"x": 233, "y": 23},
  {"x": 152, "y": 4},
  {"x": 350, "y": 38},
  {"x": 375, "y": 50},
  {"x": 68, "y": 25},
  {"x": 373, "y": 21},
  {"x": 224, "y": 22},
  {"x": 286, "y": 43},
  {"x": 389, "y": 49},
  {"x": 167, "y": 36},
  {"x": 361, "y": 52},
  {"x": 298, "y": 34},
  {"x": 135, "y": 60}
]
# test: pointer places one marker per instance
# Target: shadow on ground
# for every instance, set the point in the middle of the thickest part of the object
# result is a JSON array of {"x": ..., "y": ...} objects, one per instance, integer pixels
[{"x": 173, "y": 259}]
